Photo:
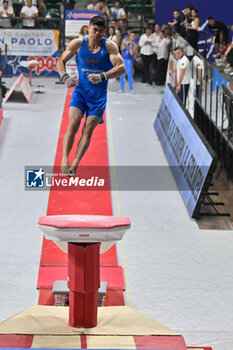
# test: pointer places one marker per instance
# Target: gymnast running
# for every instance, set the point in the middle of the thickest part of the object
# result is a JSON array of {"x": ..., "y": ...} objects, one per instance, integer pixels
[{"x": 98, "y": 60}]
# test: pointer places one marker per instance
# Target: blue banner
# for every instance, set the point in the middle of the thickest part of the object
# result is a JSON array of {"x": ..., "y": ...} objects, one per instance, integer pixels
[{"x": 186, "y": 153}]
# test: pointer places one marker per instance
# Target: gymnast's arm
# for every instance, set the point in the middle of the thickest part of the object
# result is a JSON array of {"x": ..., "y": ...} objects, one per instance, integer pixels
[
  {"x": 117, "y": 62},
  {"x": 71, "y": 50}
]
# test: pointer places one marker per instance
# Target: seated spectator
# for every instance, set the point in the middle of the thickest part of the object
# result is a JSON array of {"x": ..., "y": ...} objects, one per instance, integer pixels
[
  {"x": 103, "y": 9},
  {"x": 83, "y": 32},
  {"x": 40, "y": 4},
  {"x": 221, "y": 31},
  {"x": 162, "y": 57},
  {"x": 122, "y": 27},
  {"x": 117, "y": 12},
  {"x": 129, "y": 31},
  {"x": 112, "y": 35},
  {"x": 113, "y": 24},
  {"x": 129, "y": 52},
  {"x": 92, "y": 5},
  {"x": 7, "y": 12},
  {"x": 176, "y": 23},
  {"x": 29, "y": 13},
  {"x": 145, "y": 43},
  {"x": 192, "y": 29}
]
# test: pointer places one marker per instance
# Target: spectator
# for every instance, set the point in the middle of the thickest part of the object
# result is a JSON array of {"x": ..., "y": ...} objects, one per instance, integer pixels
[
  {"x": 145, "y": 43},
  {"x": 29, "y": 13},
  {"x": 70, "y": 4},
  {"x": 83, "y": 32},
  {"x": 92, "y": 5},
  {"x": 166, "y": 30},
  {"x": 7, "y": 12},
  {"x": 176, "y": 23},
  {"x": 129, "y": 48},
  {"x": 112, "y": 35},
  {"x": 192, "y": 29},
  {"x": 178, "y": 40},
  {"x": 221, "y": 31},
  {"x": 220, "y": 57},
  {"x": 39, "y": 4},
  {"x": 156, "y": 37},
  {"x": 103, "y": 9},
  {"x": 183, "y": 74},
  {"x": 117, "y": 12},
  {"x": 122, "y": 26},
  {"x": 197, "y": 69},
  {"x": 162, "y": 56},
  {"x": 129, "y": 52},
  {"x": 186, "y": 19},
  {"x": 155, "y": 42},
  {"x": 113, "y": 24}
]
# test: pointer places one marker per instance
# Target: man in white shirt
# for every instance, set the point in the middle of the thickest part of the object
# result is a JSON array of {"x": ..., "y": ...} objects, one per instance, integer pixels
[
  {"x": 117, "y": 12},
  {"x": 91, "y": 6},
  {"x": 183, "y": 74},
  {"x": 7, "y": 12},
  {"x": 162, "y": 57},
  {"x": 197, "y": 69},
  {"x": 146, "y": 52},
  {"x": 29, "y": 13}
]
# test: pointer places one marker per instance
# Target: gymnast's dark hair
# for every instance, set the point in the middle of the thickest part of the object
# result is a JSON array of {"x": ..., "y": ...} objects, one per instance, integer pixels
[{"x": 98, "y": 21}]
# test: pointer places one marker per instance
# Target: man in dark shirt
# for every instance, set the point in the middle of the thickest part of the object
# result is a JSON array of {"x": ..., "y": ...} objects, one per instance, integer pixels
[
  {"x": 221, "y": 31},
  {"x": 176, "y": 23}
]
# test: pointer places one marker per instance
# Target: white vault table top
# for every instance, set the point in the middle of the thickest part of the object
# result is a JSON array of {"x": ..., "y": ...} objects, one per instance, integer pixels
[{"x": 83, "y": 228}]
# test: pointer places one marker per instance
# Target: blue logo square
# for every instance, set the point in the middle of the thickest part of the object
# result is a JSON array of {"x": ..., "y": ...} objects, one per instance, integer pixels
[{"x": 35, "y": 178}]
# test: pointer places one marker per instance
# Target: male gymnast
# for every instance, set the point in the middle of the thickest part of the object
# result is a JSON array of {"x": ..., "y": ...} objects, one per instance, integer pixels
[{"x": 98, "y": 59}]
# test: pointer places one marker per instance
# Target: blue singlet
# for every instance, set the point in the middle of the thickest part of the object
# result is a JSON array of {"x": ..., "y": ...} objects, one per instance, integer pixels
[{"x": 91, "y": 98}]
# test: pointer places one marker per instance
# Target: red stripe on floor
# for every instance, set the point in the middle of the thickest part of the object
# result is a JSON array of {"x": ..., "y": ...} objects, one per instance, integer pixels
[
  {"x": 160, "y": 342},
  {"x": 83, "y": 342},
  {"x": 49, "y": 274},
  {"x": 15, "y": 341}
]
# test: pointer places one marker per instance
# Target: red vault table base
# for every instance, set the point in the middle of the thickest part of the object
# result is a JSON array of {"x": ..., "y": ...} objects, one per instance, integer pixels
[
  {"x": 83, "y": 283},
  {"x": 85, "y": 236}
]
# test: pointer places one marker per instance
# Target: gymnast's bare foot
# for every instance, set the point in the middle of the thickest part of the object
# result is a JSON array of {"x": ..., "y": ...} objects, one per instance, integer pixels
[
  {"x": 73, "y": 168},
  {"x": 65, "y": 166}
]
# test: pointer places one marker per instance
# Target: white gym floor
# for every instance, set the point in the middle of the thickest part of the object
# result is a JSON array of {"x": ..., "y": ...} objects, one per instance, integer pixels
[{"x": 176, "y": 273}]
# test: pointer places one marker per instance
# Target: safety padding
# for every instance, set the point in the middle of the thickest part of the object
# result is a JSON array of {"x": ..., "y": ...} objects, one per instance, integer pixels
[{"x": 83, "y": 228}]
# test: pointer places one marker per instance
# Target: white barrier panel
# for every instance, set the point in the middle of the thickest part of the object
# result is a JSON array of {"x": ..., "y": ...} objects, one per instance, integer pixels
[
  {"x": 25, "y": 88},
  {"x": 24, "y": 42}
]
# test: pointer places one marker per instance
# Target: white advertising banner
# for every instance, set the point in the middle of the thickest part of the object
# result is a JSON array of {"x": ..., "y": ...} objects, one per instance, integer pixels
[
  {"x": 24, "y": 42},
  {"x": 170, "y": 78},
  {"x": 75, "y": 20}
]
